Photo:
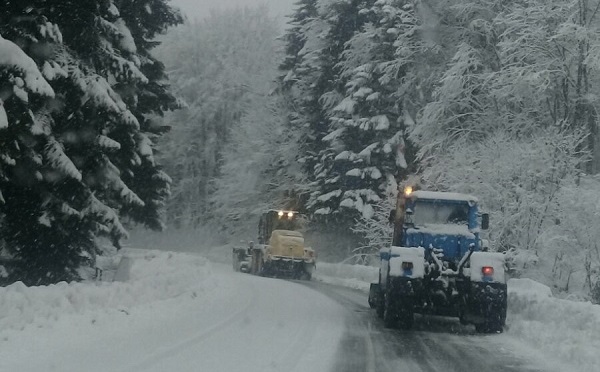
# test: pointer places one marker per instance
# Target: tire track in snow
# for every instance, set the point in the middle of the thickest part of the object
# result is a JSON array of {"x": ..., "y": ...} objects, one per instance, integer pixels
[{"x": 435, "y": 344}]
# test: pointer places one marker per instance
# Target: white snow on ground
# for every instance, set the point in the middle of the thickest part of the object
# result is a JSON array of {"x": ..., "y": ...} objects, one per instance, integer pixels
[
  {"x": 561, "y": 330},
  {"x": 175, "y": 312},
  {"x": 352, "y": 276},
  {"x": 565, "y": 329}
]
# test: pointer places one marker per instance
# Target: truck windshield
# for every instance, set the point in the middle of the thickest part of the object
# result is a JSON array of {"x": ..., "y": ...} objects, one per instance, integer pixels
[{"x": 426, "y": 213}]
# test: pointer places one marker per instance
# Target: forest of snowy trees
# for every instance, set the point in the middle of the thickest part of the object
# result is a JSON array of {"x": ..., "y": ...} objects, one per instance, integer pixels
[
  {"x": 496, "y": 99},
  {"x": 328, "y": 116}
]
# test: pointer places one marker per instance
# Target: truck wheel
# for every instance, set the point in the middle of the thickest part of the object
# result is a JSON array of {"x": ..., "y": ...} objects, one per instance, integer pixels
[
  {"x": 389, "y": 313},
  {"x": 495, "y": 317},
  {"x": 406, "y": 317},
  {"x": 380, "y": 307},
  {"x": 493, "y": 323},
  {"x": 489, "y": 327},
  {"x": 406, "y": 314},
  {"x": 235, "y": 261}
]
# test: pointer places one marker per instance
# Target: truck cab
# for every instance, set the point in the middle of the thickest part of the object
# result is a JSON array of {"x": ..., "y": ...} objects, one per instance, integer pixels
[{"x": 448, "y": 222}]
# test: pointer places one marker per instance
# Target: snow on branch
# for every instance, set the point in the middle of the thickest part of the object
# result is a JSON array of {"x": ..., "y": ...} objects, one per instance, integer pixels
[
  {"x": 97, "y": 89},
  {"x": 57, "y": 159},
  {"x": 109, "y": 219},
  {"x": 128, "y": 195},
  {"x": 126, "y": 42},
  {"x": 12, "y": 56},
  {"x": 144, "y": 147},
  {"x": 114, "y": 177},
  {"x": 3, "y": 117},
  {"x": 108, "y": 143}
]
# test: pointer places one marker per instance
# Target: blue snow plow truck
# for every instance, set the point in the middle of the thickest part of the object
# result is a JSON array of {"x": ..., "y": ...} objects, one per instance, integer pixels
[{"x": 436, "y": 264}]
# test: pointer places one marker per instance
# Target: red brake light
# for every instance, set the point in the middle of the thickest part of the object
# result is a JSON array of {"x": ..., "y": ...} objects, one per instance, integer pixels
[
  {"x": 487, "y": 271},
  {"x": 407, "y": 265}
]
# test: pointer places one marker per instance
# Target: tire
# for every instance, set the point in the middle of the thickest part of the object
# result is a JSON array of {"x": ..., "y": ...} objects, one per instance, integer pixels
[
  {"x": 405, "y": 313},
  {"x": 489, "y": 327},
  {"x": 406, "y": 316},
  {"x": 305, "y": 276},
  {"x": 390, "y": 315},
  {"x": 494, "y": 321},
  {"x": 235, "y": 262},
  {"x": 380, "y": 308}
]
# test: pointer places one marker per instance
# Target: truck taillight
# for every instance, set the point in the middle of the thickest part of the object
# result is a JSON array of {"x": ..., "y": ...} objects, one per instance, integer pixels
[
  {"x": 407, "y": 265},
  {"x": 487, "y": 271}
]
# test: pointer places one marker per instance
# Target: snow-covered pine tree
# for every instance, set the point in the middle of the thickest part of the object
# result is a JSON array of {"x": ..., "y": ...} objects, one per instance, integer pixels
[
  {"x": 305, "y": 11},
  {"x": 315, "y": 43},
  {"x": 366, "y": 135},
  {"x": 146, "y": 20},
  {"x": 305, "y": 73},
  {"x": 78, "y": 146}
]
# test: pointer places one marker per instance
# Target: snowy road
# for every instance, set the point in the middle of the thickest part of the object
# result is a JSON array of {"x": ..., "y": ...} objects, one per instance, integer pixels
[
  {"x": 182, "y": 313},
  {"x": 267, "y": 325},
  {"x": 228, "y": 322},
  {"x": 436, "y": 344}
]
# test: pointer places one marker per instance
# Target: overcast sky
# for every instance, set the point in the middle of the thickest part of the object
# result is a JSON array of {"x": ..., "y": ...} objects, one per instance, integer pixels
[{"x": 198, "y": 8}]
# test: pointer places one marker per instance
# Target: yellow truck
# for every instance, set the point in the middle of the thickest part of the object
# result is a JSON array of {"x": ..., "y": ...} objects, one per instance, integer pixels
[{"x": 280, "y": 252}]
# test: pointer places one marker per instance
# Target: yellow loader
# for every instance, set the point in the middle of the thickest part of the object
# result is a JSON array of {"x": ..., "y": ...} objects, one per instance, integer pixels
[{"x": 280, "y": 252}]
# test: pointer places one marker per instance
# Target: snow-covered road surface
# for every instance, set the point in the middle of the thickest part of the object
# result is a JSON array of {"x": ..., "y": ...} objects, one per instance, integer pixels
[
  {"x": 262, "y": 325},
  {"x": 435, "y": 345},
  {"x": 179, "y": 312},
  {"x": 228, "y": 321}
]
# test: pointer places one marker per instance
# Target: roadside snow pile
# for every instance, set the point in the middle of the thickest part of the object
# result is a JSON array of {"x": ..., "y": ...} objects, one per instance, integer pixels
[
  {"x": 353, "y": 276},
  {"x": 153, "y": 276},
  {"x": 566, "y": 329}
]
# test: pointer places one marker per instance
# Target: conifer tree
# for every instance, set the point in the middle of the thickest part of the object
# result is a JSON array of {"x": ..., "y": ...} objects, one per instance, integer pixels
[
  {"x": 366, "y": 149},
  {"x": 80, "y": 132},
  {"x": 315, "y": 45}
]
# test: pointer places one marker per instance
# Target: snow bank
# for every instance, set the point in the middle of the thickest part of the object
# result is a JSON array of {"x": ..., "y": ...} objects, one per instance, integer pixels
[
  {"x": 353, "y": 276},
  {"x": 153, "y": 276},
  {"x": 565, "y": 329}
]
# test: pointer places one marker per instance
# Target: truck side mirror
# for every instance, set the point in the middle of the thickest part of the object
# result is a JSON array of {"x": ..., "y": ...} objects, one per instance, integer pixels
[
  {"x": 392, "y": 216},
  {"x": 485, "y": 221}
]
